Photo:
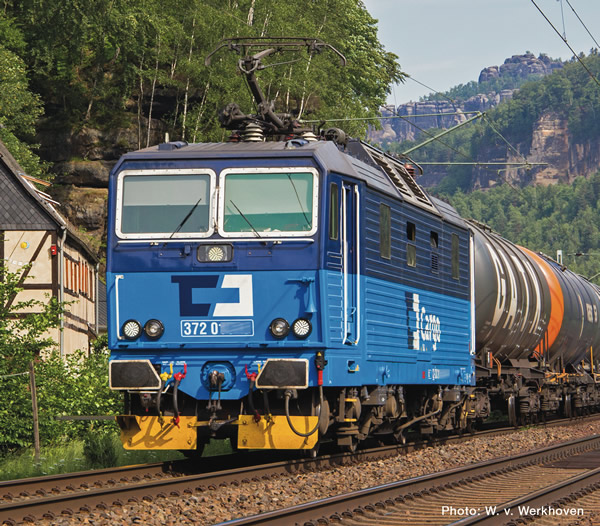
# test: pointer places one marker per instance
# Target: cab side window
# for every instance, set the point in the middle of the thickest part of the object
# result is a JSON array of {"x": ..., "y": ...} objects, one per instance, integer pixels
[
  {"x": 411, "y": 248},
  {"x": 334, "y": 212},
  {"x": 385, "y": 231}
]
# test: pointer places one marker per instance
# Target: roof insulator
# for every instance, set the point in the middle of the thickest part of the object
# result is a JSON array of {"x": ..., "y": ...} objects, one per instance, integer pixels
[
  {"x": 309, "y": 136},
  {"x": 253, "y": 133}
]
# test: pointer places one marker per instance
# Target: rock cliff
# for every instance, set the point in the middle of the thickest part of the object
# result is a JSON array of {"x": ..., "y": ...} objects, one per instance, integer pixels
[
  {"x": 82, "y": 161},
  {"x": 552, "y": 144},
  {"x": 427, "y": 114}
]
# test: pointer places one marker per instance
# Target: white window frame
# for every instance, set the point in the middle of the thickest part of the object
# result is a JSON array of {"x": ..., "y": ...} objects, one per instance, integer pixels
[
  {"x": 162, "y": 235},
  {"x": 280, "y": 170}
]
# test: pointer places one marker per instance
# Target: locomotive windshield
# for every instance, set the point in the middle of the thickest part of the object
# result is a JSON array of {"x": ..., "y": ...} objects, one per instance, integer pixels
[
  {"x": 252, "y": 203},
  {"x": 171, "y": 204},
  {"x": 266, "y": 203}
]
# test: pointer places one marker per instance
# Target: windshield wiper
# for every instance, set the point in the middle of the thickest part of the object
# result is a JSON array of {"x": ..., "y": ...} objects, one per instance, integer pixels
[
  {"x": 246, "y": 219},
  {"x": 184, "y": 220},
  {"x": 299, "y": 201}
]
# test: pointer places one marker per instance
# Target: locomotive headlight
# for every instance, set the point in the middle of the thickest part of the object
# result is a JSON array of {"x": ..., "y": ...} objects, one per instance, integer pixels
[
  {"x": 301, "y": 328},
  {"x": 131, "y": 329},
  {"x": 279, "y": 328},
  {"x": 216, "y": 253},
  {"x": 154, "y": 329}
]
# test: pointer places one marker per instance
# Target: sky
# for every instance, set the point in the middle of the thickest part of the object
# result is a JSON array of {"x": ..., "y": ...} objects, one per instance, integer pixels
[{"x": 443, "y": 43}]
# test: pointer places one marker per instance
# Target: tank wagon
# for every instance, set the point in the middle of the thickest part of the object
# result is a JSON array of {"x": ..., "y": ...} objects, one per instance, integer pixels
[{"x": 304, "y": 288}]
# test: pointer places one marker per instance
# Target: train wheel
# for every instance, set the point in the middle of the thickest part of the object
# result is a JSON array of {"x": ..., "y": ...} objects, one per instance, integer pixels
[
  {"x": 568, "y": 408},
  {"x": 512, "y": 411}
]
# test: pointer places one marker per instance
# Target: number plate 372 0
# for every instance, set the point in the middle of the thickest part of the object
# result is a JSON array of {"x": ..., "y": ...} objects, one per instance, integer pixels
[{"x": 208, "y": 328}]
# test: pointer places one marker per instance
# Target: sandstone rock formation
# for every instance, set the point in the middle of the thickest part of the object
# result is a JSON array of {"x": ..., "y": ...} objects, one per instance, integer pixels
[
  {"x": 526, "y": 66},
  {"x": 82, "y": 161},
  {"x": 552, "y": 144}
]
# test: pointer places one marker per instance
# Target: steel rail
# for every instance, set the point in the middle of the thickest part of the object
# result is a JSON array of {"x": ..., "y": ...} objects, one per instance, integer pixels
[
  {"x": 40, "y": 503},
  {"x": 543, "y": 498},
  {"x": 340, "y": 505}
]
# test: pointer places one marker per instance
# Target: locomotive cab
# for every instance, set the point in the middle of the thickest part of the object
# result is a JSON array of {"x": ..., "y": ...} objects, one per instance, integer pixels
[{"x": 211, "y": 267}]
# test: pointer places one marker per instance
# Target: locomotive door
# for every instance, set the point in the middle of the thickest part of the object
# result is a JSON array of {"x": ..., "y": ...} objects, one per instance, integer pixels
[
  {"x": 350, "y": 262},
  {"x": 342, "y": 262}
]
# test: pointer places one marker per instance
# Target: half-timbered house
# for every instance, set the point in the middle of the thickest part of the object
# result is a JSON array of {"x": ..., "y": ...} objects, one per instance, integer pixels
[{"x": 58, "y": 262}]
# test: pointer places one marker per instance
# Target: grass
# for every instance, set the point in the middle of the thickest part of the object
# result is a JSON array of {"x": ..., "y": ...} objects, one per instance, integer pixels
[{"x": 71, "y": 457}]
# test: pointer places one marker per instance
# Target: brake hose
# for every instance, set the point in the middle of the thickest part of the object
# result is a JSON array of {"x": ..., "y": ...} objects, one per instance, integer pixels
[{"x": 287, "y": 396}]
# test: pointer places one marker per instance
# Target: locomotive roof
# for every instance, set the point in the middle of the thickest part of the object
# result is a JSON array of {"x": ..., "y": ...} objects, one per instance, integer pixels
[{"x": 375, "y": 172}]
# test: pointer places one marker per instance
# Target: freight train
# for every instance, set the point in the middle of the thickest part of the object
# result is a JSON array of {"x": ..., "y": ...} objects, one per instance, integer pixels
[{"x": 287, "y": 287}]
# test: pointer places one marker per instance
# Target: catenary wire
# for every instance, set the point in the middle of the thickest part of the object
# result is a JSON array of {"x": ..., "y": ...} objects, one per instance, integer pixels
[
  {"x": 562, "y": 14},
  {"x": 489, "y": 122},
  {"x": 452, "y": 101},
  {"x": 578, "y": 18},
  {"x": 594, "y": 78}
]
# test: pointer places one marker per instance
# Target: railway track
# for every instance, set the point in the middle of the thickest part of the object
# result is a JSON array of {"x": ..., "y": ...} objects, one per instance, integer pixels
[
  {"x": 29, "y": 500},
  {"x": 488, "y": 493}
]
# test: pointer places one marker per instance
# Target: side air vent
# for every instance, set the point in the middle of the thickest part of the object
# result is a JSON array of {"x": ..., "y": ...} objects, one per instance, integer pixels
[
  {"x": 400, "y": 177},
  {"x": 434, "y": 263},
  {"x": 390, "y": 169}
]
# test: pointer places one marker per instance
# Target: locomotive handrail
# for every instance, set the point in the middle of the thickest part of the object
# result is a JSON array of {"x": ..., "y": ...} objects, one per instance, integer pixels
[
  {"x": 357, "y": 264},
  {"x": 345, "y": 262},
  {"x": 117, "y": 278}
]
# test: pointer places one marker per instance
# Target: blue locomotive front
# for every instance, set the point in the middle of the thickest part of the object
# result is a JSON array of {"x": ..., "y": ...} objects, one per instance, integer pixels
[{"x": 282, "y": 292}]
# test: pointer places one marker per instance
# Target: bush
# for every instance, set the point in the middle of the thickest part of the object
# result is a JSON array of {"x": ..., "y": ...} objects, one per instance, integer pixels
[
  {"x": 77, "y": 385},
  {"x": 101, "y": 448}
]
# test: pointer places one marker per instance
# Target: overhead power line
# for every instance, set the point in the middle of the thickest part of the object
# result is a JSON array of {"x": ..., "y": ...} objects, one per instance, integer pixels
[
  {"x": 438, "y": 137},
  {"x": 383, "y": 117},
  {"x": 567, "y": 44},
  {"x": 578, "y": 18},
  {"x": 562, "y": 14},
  {"x": 453, "y": 102}
]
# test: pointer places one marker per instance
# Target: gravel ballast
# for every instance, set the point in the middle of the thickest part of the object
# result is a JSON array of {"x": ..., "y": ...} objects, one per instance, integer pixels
[{"x": 225, "y": 503}]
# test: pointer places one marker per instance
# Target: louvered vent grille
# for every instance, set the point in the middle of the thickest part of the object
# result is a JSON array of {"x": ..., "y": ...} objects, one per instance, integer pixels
[
  {"x": 434, "y": 263},
  {"x": 404, "y": 181}
]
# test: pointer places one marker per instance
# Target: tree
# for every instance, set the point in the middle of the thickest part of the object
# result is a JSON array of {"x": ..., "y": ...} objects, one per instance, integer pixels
[
  {"x": 19, "y": 107},
  {"x": 91, "y": 59}
]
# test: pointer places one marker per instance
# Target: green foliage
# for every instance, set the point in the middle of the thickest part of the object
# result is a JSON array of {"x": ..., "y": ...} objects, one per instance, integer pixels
[
  {"x": 546, "y": 219},
  {"x": 19, "y": 107},
  {"x": 463, "y": 92},
  {"x": 101, "y": 448},
  {"x": 75, "y": 386},
  {"x": 68, "y": 457},
  {"x": 568, "y": 93},
  {"x": 96, "y": 61}
]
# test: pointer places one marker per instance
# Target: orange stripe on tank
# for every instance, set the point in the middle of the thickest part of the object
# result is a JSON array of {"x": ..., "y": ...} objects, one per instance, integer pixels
[{"x": 557, "y": 302}]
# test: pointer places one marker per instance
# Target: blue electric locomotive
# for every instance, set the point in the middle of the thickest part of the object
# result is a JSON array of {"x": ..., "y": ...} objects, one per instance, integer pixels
[
  {"x": 285, "y": 291},
  {"x": 283, "y": 266}
]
